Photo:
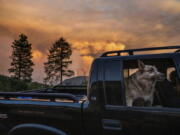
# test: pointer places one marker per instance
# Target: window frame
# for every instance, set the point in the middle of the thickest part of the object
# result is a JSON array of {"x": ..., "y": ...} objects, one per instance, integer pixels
[{"x": 175, "y": 59}]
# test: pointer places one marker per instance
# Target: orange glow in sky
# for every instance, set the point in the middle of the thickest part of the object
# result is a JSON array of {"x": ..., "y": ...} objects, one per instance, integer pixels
[{"x": 91, "y": 26}]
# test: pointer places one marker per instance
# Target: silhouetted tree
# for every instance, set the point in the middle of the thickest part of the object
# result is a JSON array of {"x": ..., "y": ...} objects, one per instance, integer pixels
[
  {"x": 58, "y": 62},
  {"x": 21, "y": 65}
]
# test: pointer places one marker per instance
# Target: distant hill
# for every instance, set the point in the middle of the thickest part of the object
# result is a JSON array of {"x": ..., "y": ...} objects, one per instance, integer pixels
[
  {"x": 10, "y": 84},
  {"x": 78, "y": 80}
]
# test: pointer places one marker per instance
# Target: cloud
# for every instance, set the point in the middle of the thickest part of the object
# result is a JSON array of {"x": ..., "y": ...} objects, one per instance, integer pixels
[
  {"x": 172, "y": 6},
  {"x": 4, "y": 54},
  {"x": 91, "y": 26}
]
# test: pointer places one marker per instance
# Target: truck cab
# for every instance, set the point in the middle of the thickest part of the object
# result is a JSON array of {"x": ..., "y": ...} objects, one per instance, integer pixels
[{"x": 107, "y": 109}]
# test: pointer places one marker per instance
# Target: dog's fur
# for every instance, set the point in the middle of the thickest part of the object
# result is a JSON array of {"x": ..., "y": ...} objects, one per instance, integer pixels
[{"x": 141, "y": 84}]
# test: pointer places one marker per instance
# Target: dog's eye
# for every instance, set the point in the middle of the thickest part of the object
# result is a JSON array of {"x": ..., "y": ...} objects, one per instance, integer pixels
[{"x": 151, "y": 70}]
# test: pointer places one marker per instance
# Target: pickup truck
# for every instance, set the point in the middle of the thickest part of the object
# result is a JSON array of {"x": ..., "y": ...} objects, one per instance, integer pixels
[{"x": 102, "y": 110}]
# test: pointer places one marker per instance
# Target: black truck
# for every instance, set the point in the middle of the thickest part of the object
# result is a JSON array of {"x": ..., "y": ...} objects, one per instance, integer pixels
[{"x": 102, "y": 110}]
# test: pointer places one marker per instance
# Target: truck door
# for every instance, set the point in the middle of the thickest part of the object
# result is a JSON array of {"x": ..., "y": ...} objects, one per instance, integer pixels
[{"x": 119, "y": 119}]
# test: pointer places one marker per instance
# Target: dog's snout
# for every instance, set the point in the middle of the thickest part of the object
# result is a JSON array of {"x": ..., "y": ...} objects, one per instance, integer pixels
[{"x": 161, "y": 77}]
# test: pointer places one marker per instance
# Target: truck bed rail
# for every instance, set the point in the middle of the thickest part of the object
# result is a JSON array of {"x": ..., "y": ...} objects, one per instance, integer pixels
[{"x": 51, "y": 96}]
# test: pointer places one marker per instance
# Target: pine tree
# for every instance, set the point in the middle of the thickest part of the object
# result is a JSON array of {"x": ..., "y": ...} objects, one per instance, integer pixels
[
  {"x": 21, "y": 65},
  {"x": 58, "y": 62}
]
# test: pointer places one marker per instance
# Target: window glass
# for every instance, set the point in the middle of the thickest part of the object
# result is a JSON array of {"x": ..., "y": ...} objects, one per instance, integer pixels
[{"x": 113, "y": 82}]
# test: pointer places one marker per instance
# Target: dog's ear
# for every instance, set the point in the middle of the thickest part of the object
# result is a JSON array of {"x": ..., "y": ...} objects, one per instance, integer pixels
[{"x": 141, "y": 65}]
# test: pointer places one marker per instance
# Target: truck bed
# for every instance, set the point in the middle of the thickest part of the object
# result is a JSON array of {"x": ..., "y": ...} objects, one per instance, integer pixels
[{"x": 49, "y": 107}]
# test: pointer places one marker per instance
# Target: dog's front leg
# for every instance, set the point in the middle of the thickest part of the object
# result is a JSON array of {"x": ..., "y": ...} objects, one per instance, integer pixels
[
  {"x": 129, "y": 102},
  {"x": 149, "y": 102}
]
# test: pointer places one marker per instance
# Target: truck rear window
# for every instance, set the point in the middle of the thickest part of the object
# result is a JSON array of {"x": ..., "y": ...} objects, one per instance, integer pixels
[{"x": 152, "y": 82}]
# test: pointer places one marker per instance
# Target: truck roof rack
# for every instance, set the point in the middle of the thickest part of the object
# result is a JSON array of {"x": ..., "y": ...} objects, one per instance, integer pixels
[
  {"x": 131, "y": 51},
  {"x": 51, "y": 96}
]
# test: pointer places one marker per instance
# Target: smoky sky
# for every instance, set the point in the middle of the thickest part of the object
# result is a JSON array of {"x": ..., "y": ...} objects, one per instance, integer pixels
[{"x": 91, "y": 26}]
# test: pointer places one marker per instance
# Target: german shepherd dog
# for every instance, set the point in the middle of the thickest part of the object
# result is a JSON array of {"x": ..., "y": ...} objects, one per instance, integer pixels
[{"x": 140, "y": 86}]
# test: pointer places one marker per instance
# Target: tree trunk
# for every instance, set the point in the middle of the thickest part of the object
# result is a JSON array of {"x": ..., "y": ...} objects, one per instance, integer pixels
[
  {"x": 61, "y": 78},
  {"x": 19, "y": 74}
]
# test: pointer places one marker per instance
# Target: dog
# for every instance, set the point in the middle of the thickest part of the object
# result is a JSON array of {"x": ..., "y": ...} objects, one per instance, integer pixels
[{"x": 140, "y": 86}]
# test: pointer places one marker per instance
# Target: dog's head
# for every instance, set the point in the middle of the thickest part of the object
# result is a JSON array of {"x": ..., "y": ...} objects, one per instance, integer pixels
[{"x": 149, "y": 72}]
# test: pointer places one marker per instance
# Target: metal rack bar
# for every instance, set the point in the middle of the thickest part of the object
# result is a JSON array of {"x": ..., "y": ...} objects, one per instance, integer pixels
[{"x": 131, "y": 51}]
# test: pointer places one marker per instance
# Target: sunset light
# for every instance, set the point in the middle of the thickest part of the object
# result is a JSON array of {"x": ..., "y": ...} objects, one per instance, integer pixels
[{"x": 91, "y": 27}]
